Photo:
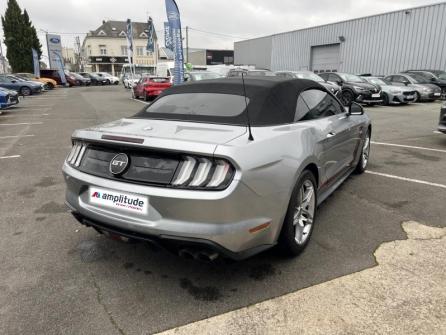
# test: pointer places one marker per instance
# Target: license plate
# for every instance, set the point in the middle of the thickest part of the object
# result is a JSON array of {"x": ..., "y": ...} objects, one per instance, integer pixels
[
  {"x": 437, "y": 94},
  {"x": 127, "y": 202},
  {"x": 409, "y": 97},
  {"x": 376, "y": 95}
]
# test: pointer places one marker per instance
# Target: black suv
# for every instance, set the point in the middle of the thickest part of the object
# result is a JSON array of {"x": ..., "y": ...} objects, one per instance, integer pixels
[
  {"x": 354, "y": 88},
  {"x": 436, "y": 77}
]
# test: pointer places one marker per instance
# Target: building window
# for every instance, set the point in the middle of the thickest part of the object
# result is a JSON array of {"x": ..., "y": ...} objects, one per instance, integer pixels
[
  {"x": 103, "y": 50},
  {"x": 124, "y": 50},
  {"x": 139, "y": 51}
]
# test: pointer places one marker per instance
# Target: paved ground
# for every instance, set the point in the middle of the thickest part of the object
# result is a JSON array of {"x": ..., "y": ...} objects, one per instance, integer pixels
[{"x": 59, "y": 277}]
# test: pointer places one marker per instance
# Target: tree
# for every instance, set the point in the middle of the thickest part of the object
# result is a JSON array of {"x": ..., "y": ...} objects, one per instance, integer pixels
[
  {"x": 20, "y": 38},
  {"x": 32, "y": 34}
]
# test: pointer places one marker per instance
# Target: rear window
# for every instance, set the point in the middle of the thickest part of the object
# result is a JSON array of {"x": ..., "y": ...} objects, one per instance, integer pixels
[
  {"x": 200, "y": 107},
  {"x": 158, "y": 80}
]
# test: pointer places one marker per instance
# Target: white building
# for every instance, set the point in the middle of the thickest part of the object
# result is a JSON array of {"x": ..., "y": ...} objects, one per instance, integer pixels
[{"x": 105, "y": 49}]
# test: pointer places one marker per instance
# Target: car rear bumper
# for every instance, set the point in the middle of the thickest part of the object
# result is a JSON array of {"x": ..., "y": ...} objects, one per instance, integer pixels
[{"x": 226, "y": 221}]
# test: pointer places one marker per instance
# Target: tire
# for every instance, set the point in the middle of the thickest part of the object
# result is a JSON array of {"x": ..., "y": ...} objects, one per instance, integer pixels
[
  {"x": 300, "y": 216},
  {"x": 107, "y": 82},
  {"x": 385, "y": 99},
  {"x": 416, "y": 97},
  {"x": 25, "y": 91},
  {"x": 365, "y": 155},
  {"x": 347, "y": 97}
]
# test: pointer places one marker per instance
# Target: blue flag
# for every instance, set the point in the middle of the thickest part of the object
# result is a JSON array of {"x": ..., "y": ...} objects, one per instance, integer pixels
[
  {"x": 173, "y": 15},
  {"x": 167, "y": 37},
  {"x": 130, "y": 40},
  {"x": 151, "y": 38},
  {"x": 60, "y": 68},
  {"x": 36, "y": 63}
]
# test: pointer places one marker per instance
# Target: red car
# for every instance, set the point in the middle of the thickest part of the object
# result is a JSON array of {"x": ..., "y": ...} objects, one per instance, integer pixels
[{"x": 150, "y": 87}]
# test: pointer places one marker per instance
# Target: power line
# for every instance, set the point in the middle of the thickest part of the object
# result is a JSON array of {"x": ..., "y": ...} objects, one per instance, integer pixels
[{"x": 219, "y": 34}]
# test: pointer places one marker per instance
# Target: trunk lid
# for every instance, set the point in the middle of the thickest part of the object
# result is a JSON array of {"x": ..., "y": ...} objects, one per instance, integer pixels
[{"x": 162, "y": 134}]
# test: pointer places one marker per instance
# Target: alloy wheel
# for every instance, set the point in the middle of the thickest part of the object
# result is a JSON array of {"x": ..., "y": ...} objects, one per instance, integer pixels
[
  {"x": 25, "y": 91},
  {"x": 304, "y": 212}
]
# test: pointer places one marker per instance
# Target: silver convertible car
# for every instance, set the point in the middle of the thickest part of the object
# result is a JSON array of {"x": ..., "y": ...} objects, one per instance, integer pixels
[{"x": 218, "y": 167}]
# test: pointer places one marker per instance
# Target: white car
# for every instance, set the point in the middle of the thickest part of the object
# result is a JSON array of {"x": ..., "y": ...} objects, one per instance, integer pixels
[
  {"x": 112, "y": 79},
  {"x": 130, "y": 82}
]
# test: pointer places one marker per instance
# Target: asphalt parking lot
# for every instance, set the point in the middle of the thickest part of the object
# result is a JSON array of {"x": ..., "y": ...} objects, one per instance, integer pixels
[{"x": 60, "y": 277}]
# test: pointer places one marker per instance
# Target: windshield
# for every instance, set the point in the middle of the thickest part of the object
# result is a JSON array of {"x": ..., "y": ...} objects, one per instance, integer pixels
[
  {"x": 204, "y": 76},
  {"x": 201, "y": 107},
  {"x": 418, "y": 78},
  {"x": 440, "y": 74},
  {"x": 376, "y": 81},
  {"x": 351, "y": 78},
  {"x": 309, "y": 75}
]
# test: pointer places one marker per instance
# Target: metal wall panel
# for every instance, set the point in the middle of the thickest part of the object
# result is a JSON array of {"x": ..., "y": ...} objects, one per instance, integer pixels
[
  {"x": 380, "y": 44},
  {"x": 254, "y": 52}
]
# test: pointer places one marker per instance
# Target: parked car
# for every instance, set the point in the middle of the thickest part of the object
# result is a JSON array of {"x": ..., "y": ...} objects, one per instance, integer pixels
[
  {"x": 129, "y": 81},
  {"x": 109, "y": 78},
  {"x": 8, "y": 98},
  {"x": 200, "y": 75},
  {"x": 257, "y": 73},
  {"x": 150, "y": 87},
  {"x": 72, "y": 79},
  {"x": 354, "y": 88},
  {"x": 442, "y": 122},
  {"x": 20, "y": 86},
  {"x": 54, "y": 74},
  {"x": 94, "y": 79},
  {"x": 48, "y": 82},
  {"x": 81, "y": 79},
  {"x": 436, "y": 77},
  {"x": 392, "y": 95},
  {"x": 190, "y": 170},
  {"x": 423, "y": 91},
  {"x": 332, "y": 87}
]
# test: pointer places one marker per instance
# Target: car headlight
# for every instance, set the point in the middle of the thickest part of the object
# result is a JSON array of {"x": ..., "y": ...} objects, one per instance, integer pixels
[
  {"x": 359, "y": 89},
  {"x": 427, "y": 90},
  {"x": 396, "y": 91}
]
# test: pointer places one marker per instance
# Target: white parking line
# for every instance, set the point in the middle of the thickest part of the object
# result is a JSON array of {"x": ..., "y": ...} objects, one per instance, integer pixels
[
  {"x": 20, "y": 124},
  {"x": 143, "y": 102},
  {"x": 16, "y": 136},
  {"x": 7, "y": 157},
  {"x": 407, "y": 146},
  {"x": 406, "y": 179}
]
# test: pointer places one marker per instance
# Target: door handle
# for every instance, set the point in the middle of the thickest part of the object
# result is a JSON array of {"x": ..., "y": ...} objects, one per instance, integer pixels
[{"x": 331, "y": 134}]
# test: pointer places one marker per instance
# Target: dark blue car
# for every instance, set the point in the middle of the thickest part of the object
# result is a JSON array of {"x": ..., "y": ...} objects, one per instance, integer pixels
[
  {"x": 8, "y": 98},
  {"x": 23, "y": 87}
]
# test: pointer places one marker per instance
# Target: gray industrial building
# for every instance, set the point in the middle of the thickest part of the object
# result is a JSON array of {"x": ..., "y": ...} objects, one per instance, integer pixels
[{"x": 413, "y": 38}]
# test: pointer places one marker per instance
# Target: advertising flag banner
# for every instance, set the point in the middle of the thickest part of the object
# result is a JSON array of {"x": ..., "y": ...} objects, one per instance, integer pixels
[
  {"x": 151, "y": 38},
  {"x": 60, "y": 67},
  {"x": 54, "y": 43},
  {"x": 173, "y": 16},
  {"x": 168, "y": 43},
  {"x": 36, "y": 63},
  {"x": 130, "y": 40}
]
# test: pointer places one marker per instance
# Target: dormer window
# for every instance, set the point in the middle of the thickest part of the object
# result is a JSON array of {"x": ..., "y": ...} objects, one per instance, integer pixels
[
  {"x": 122, "y": 34},
  {"x": 102, "y": 33},
  {"x": 143, "y": 35}
]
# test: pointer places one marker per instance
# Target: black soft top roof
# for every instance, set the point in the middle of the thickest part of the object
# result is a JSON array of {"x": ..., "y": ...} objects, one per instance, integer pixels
[{"x": 272, "y": 100}]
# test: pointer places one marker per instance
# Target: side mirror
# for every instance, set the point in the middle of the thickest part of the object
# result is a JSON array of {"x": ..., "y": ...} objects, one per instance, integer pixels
[
  {"x": 433, "y": 79},
  {"x": 339, "y": 82},
  {"x": 13, "y": 81},
  {"x": 355, "y": 109},
  {"x": 406, "y": 83}
]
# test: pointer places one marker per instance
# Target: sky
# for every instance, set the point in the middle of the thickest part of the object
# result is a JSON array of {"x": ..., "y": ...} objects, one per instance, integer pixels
[{"x": 214, "y": 24}]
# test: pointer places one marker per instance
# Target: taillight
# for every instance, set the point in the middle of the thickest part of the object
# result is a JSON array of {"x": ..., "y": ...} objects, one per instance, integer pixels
[
  {"x": 203, "y": 173},
  {"x": 76, "y": 153}
]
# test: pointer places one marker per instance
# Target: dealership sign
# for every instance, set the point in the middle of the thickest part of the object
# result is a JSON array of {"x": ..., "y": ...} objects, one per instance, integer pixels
[{"x": 54, "y": 44}]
